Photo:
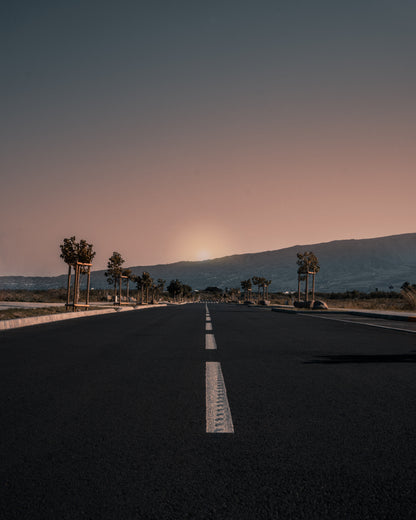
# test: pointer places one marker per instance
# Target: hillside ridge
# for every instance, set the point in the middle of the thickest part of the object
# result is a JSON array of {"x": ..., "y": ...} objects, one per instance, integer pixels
[{"x": 364, "y": 264}]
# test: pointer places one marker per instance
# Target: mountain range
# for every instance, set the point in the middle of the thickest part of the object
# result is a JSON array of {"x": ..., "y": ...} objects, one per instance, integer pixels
[{"x": 364, "y": 264}]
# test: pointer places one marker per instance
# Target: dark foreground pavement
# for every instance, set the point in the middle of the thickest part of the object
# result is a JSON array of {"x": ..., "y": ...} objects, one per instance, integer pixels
[{"x": 104, "y": 418}]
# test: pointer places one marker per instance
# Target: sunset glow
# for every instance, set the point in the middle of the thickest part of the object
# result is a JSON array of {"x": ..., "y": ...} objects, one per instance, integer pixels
[
  {"x": 204, "y": 131},
  {"x": 203, "y": 255}
]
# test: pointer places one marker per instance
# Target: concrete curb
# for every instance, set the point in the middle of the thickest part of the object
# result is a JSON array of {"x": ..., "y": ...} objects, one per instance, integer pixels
[
  {"x": 368, "y": 314},
  {"x": 48, "y": 318}
]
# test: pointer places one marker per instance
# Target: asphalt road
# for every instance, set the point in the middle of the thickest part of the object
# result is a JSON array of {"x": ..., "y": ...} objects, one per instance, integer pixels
[{"x": 104, "y": 418}]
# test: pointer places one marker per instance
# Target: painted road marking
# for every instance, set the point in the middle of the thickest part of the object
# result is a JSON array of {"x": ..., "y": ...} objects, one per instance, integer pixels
[
  {"x": 208, "y": 326},
  {"x": 361, "y": 323},
  {"x": 218, "y": 413},
  {"x": 210, "y": 343}
]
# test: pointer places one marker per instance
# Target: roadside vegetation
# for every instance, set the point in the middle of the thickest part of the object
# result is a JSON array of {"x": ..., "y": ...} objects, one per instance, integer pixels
[
  {"x": 49, "y": 295},
  {"x": 405, "y": 300},
  {"x": 308, "y": 265},
  {"x": 79, "y": 257},
  {"x": 377, "y": 300},
  {"x": 11, "y": 314}
]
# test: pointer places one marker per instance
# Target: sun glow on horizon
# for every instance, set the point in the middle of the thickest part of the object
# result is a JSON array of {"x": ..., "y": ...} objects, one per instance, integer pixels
[
  {"x": 200, "y": 240},
  {"x": 203, "y": 254}
]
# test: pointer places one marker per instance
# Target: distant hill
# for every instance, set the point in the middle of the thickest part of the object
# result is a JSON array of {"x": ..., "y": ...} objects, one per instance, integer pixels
[{"x": 363, "y": 264}]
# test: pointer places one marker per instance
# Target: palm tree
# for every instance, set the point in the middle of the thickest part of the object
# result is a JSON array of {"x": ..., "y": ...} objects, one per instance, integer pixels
[
  {"x": 139, "y": 284},
  {"x": 186, "y": 291},
  {"x": 243, "y": 284},
  {"x": 262, "y": 284},
  {"x": 160, "y": 286},
  {"x": 302, "y": 270},
  {"x": 234, "y": 292},
  {"x": 308, "y": 264},
  {"x": 77, "y": 255},
  {"x": 69, "y": 256},
  {"x": 257, "y": 281},
  {"x": 174, "y": 289},
  {"x": 114, "y": 271},
  {"x": 127, "y": 275},
  {"x": 147, "y": 282},
  {"x": 301, "y": 278},
  {"x": 266, "y": 284},
  {"x": 246, "y": 286},
  {"x": 85, "y": 256},
  {"x": 314, "y": 268}
]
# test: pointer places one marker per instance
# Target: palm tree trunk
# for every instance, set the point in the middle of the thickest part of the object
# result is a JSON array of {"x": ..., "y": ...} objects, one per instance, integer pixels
[
  {"x": 306, "y": 287},
  {"x": 76, "y": 285},
  {"x": 87, "y": 299},
  {"x": 298, "y": 287},
  {"x": 313, "y": 286},
  {"x": 68, "y": 290}
]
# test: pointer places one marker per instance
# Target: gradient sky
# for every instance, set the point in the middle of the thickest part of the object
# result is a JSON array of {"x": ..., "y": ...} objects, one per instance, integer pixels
[{"x": 181, "y": 130}]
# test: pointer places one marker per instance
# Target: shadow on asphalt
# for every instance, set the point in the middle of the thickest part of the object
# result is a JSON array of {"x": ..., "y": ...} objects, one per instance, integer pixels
[{"x": 363, "y": 358}]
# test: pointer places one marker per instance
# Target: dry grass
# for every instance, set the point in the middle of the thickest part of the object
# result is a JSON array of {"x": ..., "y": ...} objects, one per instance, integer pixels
[
  {"x": 50, "y": 295},
  {"x": 39, "y": 296},
  {"x": 409, "y": 296},
  {"x": 385, "y": 304},
  {"x": 11, "y": 314}
]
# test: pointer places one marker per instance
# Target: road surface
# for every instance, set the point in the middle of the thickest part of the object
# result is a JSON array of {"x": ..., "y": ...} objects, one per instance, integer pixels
[{"x": 114, "y": 417}]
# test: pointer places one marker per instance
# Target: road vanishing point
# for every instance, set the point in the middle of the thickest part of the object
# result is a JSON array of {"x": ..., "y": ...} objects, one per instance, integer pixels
[{"x": 207, "y": 412}]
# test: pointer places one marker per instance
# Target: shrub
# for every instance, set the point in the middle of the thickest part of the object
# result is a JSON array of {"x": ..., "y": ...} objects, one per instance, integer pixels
[{"x": 409, "y": 295}]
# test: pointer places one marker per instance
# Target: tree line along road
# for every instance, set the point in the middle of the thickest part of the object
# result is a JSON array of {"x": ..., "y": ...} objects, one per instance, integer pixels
[{"x": 106, "y": 417}]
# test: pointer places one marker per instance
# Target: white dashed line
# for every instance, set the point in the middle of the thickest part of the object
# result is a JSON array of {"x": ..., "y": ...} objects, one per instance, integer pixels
[
  {"x": 218, "y": 413},
  {"x": 210, "y": 343}
]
